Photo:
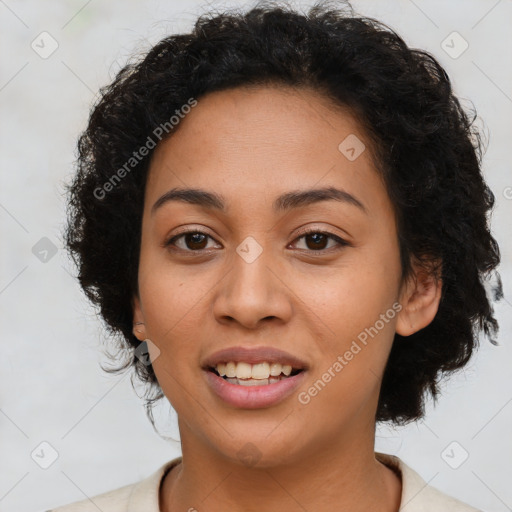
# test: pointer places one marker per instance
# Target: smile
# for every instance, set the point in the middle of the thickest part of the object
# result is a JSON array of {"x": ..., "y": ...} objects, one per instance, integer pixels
[
  {"x": 249, "y": 393},
  {"x": 260, "y": 374}
]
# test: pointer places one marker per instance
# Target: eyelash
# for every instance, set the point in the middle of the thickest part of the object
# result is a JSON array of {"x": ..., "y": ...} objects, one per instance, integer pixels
[{"x": 341, "y": 242}]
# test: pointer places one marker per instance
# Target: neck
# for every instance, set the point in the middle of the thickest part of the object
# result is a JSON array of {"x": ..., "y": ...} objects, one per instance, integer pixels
[{"x": 345, "y": 477}]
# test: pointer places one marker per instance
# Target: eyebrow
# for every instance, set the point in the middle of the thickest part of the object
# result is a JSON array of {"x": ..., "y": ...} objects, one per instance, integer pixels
[{"x": 285, "y": 202}]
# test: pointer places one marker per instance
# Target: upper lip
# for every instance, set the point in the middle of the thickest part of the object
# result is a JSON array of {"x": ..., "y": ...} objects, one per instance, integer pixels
[{"x": 253, "y": 356}]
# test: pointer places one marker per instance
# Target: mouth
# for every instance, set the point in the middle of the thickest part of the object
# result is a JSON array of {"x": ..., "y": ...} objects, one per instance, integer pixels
[
  {"x": 255, "y": 377},
  {"x": 253, "y": 393},
  {"x": 264, "y": 373}
]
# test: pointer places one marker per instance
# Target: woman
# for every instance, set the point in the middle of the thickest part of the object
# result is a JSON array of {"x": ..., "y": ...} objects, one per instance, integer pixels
[{"x": 285, "y": 218}]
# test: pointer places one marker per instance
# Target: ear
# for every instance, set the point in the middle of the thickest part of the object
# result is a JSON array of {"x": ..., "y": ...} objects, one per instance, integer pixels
[
  {"x": 139, "y": 328},
  {"x": 420, "y": 297}
]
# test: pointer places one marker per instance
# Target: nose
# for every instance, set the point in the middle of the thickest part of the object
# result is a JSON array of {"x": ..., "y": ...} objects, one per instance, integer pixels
[{"x": 253, "y": 292}]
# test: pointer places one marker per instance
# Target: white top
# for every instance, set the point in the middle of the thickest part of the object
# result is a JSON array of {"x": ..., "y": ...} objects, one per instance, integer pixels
[{"x": 417, "y": 495}]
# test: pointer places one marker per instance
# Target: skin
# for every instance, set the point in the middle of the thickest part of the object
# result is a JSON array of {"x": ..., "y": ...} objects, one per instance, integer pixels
[{"x": 250, "y": 146}]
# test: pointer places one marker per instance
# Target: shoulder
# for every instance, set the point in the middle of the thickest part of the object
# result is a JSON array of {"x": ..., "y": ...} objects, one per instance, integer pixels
[
  {"x": 142, "y": 495},
  {"x": 418, "y": 495},
  {"x": 112, "y": 501}
]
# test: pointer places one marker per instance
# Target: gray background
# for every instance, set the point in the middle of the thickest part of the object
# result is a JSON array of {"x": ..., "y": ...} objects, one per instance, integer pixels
[{"x": 51, "y": 387}]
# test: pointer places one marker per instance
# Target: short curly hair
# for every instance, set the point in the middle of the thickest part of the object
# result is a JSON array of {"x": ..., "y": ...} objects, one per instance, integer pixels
[{"x": 425, "y": 145}]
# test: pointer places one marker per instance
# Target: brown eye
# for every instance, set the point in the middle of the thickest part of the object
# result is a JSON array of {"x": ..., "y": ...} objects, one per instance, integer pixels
[
  {"x": 318, "y": 241},
  {"x": 195, "y": 240},
  {"x": 190, "y": 241}
]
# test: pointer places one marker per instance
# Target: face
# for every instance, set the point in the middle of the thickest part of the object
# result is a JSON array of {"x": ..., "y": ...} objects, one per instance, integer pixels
[{"x": 238, "y": 270}]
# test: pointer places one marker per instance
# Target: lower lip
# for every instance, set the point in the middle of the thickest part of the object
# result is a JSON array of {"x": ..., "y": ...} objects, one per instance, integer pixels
[{"x": 253, "y": 397}]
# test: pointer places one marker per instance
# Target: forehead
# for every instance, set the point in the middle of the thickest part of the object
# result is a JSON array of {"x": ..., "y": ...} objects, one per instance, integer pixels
[
  {"x": 264, "y": 118},
  {"x": 263, "y": 141}
]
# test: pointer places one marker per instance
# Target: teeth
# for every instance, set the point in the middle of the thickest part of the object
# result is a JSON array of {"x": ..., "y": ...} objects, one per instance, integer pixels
[
  {"x": 287, "y": 369},
  {"x": 255, "y": 382},
  {"x": 249, "y": 382},
  {"x": 275, "y": 369},
  {"x": 231, "y": 369},
  {"x": 243, "y": 371},
  {"x": 259, "y": 371}
]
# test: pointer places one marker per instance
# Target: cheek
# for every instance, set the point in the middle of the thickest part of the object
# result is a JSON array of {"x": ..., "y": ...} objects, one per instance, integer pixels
[
  {"x": 358, "y": 308},
  {"x": 357, "y": 294},
  {"x": 360, "y": 321},
  {"x": 172, "y": 324},
  {"x": 172, "y": 307},
  {"x": 173, "y": 296}
]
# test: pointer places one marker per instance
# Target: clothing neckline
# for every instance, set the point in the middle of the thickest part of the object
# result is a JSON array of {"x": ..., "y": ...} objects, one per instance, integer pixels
[{"x": 146, "y": 493}]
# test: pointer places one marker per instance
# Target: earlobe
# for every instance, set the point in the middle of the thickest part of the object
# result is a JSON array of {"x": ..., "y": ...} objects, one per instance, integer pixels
[
  {"x": 420, "y": 300},
  {"x": 139, "y": 328}
]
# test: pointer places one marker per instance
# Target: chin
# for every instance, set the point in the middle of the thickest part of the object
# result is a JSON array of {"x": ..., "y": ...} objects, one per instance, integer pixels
[{"x": 259, "y": 452}]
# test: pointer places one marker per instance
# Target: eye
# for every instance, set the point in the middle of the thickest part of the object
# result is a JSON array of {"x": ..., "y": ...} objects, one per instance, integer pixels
[
  {"x": 317, "y": 241},
  {"x": 196, "y": 241},
  {"x": 193, "y": 241}
]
